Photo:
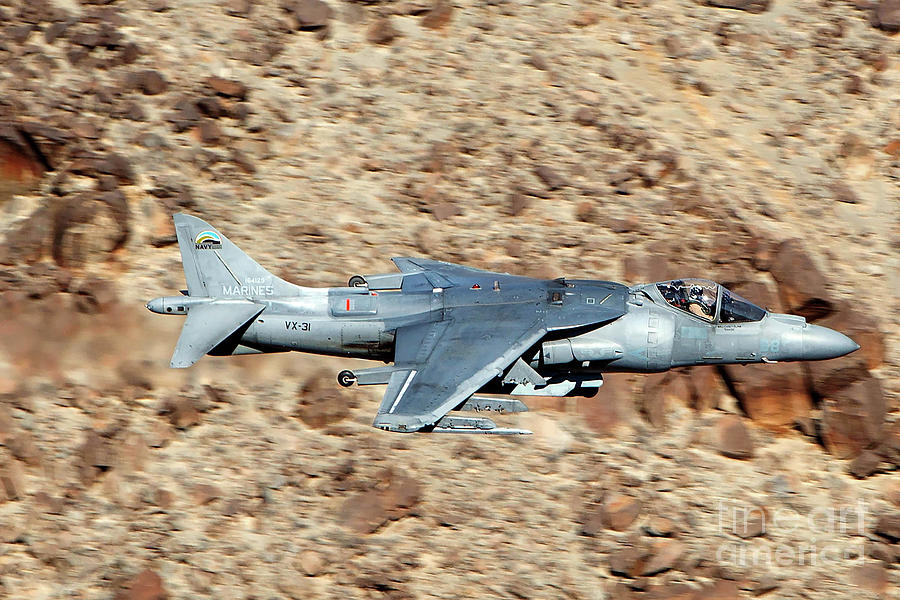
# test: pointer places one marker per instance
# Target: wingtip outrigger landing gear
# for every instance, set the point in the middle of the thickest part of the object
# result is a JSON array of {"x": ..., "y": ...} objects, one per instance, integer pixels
[
  {"x": 346, "y": 378},
  {"x": 357, "y": 281}
]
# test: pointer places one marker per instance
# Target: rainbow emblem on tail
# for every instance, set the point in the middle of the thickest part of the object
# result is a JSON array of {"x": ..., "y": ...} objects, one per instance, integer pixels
[{"x": 207, "y": 240}]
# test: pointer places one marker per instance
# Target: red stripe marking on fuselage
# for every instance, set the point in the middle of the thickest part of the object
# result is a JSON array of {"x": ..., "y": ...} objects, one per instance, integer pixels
[{"x": 348, "y": 303}]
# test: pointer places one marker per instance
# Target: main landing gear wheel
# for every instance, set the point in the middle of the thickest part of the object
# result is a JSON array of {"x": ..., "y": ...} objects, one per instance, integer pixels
[
  {"x": 346, "y": 378},
  {"x": 357, "y": 281}
]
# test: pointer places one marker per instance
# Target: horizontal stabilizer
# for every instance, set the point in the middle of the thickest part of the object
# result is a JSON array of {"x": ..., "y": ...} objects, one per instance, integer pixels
[{"x": 208, "y": 325}]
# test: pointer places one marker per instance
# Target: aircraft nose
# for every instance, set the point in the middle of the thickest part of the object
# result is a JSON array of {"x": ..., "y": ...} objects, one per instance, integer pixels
[{"x": 821, "y": 343}]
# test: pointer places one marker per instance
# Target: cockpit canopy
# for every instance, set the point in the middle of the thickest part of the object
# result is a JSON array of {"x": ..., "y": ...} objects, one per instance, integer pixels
[{"x": 708, "y": 300}]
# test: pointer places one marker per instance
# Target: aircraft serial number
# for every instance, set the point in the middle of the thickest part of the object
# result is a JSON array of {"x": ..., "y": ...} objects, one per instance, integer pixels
[{"x": 296, "y": 326}]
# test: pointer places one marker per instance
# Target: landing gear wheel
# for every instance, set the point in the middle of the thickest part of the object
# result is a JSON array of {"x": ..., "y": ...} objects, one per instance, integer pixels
[
  {"x": 346, "y": 378},
  {"x": 357, "y": 281}
]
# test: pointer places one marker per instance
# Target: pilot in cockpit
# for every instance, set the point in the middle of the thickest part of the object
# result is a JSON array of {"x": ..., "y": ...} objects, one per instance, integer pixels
[
  {"x": 673, "y": 292},
  {"x": 702, "y": 302}
]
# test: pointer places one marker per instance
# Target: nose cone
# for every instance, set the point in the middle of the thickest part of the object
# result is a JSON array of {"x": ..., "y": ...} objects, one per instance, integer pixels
[
  {"x": 156, "y": 305},
  {"x": 821, "y": 343}
]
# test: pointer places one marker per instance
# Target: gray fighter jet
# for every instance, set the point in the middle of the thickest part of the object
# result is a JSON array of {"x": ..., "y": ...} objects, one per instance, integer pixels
[{"x": 465, "y": 339}]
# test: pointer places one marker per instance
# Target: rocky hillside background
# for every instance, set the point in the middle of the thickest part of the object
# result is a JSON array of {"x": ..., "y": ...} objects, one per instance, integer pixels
[{"x": 749, "y": 141}]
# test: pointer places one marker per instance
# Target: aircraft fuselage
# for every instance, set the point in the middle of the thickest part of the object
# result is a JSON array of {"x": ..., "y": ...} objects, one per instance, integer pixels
[{"x": 649, "y": 336}]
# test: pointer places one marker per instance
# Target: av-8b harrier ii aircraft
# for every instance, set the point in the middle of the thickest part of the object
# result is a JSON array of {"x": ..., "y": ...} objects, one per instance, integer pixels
[{"x": 465, "y": 339}]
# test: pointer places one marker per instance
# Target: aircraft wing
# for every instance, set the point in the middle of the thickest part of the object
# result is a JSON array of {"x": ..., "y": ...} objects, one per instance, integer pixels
[
  {"x": 441, "y": 364},
  {"x": 450, "y": 270}
]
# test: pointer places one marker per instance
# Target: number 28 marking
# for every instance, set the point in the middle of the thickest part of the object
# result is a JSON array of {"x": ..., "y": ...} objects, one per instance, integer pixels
[{"x": 770, "y": 346}]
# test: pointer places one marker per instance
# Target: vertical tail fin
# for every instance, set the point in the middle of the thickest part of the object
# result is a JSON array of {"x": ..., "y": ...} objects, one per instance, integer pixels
[{"x": 215, "y": 267}]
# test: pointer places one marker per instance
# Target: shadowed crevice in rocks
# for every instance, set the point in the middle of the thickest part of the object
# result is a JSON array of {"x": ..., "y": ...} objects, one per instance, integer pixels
[
  {"x": 732, "y": 389},
  {"x": 814, "y": 395},
  {"x": 36, "y": 151}
]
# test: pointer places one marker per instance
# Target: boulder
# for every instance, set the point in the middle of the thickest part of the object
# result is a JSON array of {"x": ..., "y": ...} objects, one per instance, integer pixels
[
  {"x": 516, "y": 203},
  {"x": 209, "y": 132},
  {"x": 864, "y": 465},
  {"x": 889, "y": 449},
  {"x": 773, "y": 396},
  {"x": 392, "y": 498},
  {"x": 151, "y": 83},
  {"x": 320, "y": 402},
  {"x": 619, "y": 511},
  {"x": 147, "y": 585},
  {"x": 723, "y": 589},
  {"x": 862, "y": 328},
  {"x": 759, "y": 293},
  {"x": 311, "y": 563},
  {"x": 27, "y": 242},
  {"x": 230, "y": 88},
  {"x": 238, "y": 8},
  {"x": 888, "y": 526},
  {"x": 661, "y": 388},
  {"x": 116, "y": 165},
  {"x": 706, "y": 387},
  {"x": 664, "y": 555},
  {"x": 887, "y": 15},
  {"x": 674, "y": 591},
  {"x": 586, "y": 18},
  {"x": 800, "y": 283},
  {"x": 660, "y": 526},
  {"x": 732, "y": 438},
  {"x": 439, "y": 16},
  {"x": 750, "y": 522},
  {"x": 181, "y": 412},
  {"x": 204, "y": 493},
  {"x": 7, "y": 424},
  {"x": 608, "y": 410},
  {"x": 853, "y": 418},
  {"x": 872, "y": 577},
  {"x": 651, "y": 265},
  {"x": 585, "y": 116},
  {"x": 96, "y": 295},
  {"x": 12, "y": 481},
  {"x": 586, "y": 212},
  {"x": 627, "y": 561},
  {"x": 826, "y": 377},
  {"x": 49, "y": 504},
  {"x": 22, "y": 447},
  {"x": 382, "y": 32},
  {"x": 95, "y": 456},
  {"x": 308, "y": 14},
  {"x": 616, "y": 512},
  {"x": 840, "y": 191},
  {"x": 86, "y": 227},
  {"x": 163, "y": 498},
  {"x": 891, "y": 491},
  {"x": 550, "y": 177},
  {"x": 751, "y": 6}
]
